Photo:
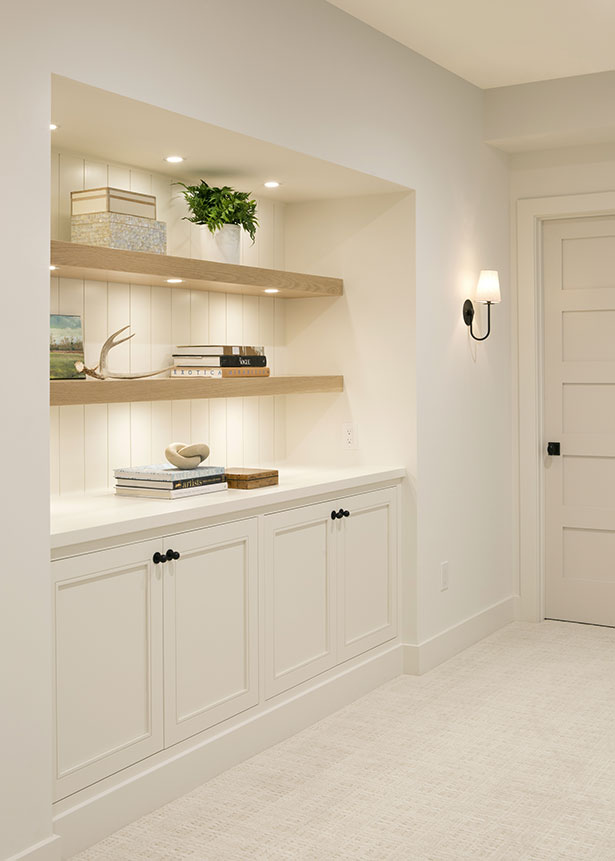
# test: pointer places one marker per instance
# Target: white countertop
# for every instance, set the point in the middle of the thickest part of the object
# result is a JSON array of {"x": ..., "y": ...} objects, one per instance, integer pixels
[{"x": 82, "y": 518}]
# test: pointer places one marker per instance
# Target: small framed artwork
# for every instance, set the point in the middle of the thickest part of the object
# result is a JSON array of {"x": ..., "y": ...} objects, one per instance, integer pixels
[{"x": 65, "y": 347}]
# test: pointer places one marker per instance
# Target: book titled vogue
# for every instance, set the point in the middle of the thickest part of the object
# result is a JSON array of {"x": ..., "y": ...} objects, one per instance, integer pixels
[{"x": 219, "y": 361}]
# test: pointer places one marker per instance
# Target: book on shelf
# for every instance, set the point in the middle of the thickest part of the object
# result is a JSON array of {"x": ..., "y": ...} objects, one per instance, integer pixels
[
  {"x": 153, "y": 493},
  {"x": 218, "y": 373},
  {"x": 218, "y": 350},
  {"x": 171, "y": 484},
  {"x": 197, "y": 361},
  {"x": 166, "y": 472}
]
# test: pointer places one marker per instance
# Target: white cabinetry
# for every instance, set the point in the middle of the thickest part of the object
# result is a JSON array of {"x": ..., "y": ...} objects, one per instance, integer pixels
[
  {"x": 210, "y": 627},
  {"x": 366, "y": 572},
  {"x": 330, "y": 585},
  {"x": 299, "y": 595},
  {"x": 157, "y": 641},
  {"x": 108, "y": 663}
]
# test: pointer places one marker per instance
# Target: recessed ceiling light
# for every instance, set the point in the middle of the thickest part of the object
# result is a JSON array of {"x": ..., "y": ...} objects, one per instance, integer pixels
[
  {"x": 174, "y": 159},
  {"x": 272, "y": 183},
  {"x": 174, "y": 280},
  {"x": 53, "y": 127},
  {"x": 53, "y": 267},
  {"x": 272, "y": 290}
]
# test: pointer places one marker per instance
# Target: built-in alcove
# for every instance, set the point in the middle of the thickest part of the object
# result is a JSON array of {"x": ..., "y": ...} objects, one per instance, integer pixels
[{"x": 323, "y": 220}]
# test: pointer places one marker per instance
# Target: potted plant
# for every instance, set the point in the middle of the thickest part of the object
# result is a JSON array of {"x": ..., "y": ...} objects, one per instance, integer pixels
[{"x": 224, "y": 212}]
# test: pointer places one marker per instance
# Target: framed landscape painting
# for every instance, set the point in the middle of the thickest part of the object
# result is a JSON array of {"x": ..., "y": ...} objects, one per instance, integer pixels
[{"x": 65, "y": 347}]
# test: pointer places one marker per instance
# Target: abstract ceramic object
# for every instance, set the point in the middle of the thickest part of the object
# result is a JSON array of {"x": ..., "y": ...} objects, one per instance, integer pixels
[{"x": 186, "y": 456}]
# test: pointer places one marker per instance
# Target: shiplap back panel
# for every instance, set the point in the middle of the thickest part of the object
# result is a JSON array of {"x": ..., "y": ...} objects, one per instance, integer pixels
[{"x": 88, "y": 442}]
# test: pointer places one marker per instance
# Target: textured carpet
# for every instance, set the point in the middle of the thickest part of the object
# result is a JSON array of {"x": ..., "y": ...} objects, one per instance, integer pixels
[{"x": 505, "y": 752}]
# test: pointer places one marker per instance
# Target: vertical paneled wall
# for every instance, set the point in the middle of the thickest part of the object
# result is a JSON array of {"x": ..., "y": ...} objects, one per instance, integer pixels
[{"x": 88, "y": 442}]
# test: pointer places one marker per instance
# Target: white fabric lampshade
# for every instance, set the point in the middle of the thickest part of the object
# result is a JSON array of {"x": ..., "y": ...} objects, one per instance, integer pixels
[{"x": 488, "y": 287}]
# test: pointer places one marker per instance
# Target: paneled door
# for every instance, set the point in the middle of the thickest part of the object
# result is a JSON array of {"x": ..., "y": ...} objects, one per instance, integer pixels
[
  {"x": 210, "y": 627},
  {"x": 107, "y": 611},
  {"x": 299, "y": 595},
  {"x": 579, "y": 414},
  {"x": 366, "y": 572}
]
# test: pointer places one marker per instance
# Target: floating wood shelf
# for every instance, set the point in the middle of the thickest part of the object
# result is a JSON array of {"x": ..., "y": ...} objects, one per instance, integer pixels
[
  {"x": 70, "y": 392},
  {"x": 140, "y": 267}
]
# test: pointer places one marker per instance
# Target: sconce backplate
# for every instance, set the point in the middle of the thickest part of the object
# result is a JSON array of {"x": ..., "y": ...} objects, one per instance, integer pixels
[{"x": 468, "y": 312}]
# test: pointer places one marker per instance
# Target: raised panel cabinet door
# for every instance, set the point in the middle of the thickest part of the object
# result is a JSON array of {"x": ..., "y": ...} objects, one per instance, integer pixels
[
  {"x": 107, "y": 653},
  {"x": 366, "y": 572},
  {"x": 299, "y": 596},
  {"x": 210, "y": 627}
]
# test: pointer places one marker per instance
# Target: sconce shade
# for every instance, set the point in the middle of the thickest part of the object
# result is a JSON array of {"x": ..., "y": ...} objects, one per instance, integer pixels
[{"x": 488, "y": 287}]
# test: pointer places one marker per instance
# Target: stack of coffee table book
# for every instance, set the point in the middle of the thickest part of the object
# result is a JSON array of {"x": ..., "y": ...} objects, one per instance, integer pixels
[
  {"x": 218, "y": 361},
  {"x": 163, "y": 481}
]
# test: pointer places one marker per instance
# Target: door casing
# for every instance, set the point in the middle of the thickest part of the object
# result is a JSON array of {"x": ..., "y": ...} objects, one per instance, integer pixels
[{"x": 528, "y": 335}]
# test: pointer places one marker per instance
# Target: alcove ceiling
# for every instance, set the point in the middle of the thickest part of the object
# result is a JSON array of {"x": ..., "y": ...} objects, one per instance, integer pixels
[
  {"x": 117, "y": 129},
  {"x": 496, "y": 44}
]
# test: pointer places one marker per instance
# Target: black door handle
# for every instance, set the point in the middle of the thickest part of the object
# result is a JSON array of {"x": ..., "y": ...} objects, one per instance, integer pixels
[
  {"x": 553, "y": 449},
  {"x": 158, "y": 557},
  {"x": 334, "y": 515},
  {"x": 171, "y": 554},
  {"x": 346, "y": 513}
]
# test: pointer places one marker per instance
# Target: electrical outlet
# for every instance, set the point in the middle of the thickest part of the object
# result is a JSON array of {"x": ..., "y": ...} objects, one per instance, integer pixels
[
  {"x": 349, "y": 436},
  {"x": 443, "y": 576}
]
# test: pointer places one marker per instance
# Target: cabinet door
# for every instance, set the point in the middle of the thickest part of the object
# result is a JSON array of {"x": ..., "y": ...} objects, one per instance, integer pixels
[
  {"x": 299, "y": 596},
  {"x": 107, "y": 610},
  {"x": 210, "y": 627},
  {"x": 366, "y": 572}
]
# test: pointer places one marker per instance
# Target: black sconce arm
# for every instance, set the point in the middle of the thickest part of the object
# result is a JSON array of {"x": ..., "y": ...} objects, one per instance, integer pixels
[{"x": 468, "y": 317}]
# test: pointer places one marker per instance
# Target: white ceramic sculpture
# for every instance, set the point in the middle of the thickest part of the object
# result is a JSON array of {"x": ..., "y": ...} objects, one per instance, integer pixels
[{"x": 186, "y": 456}]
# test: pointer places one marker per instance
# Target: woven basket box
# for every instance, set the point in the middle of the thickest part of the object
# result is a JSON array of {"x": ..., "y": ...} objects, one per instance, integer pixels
[
  {"x": 115, "y": 230},
  {"x": 112, "y": 200}
]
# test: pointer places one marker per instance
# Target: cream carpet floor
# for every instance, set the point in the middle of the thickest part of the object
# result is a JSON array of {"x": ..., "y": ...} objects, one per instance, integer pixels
[{"x": 505, "y": 752}]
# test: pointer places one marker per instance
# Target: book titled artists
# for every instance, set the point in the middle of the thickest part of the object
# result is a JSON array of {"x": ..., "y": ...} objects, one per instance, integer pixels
[{"x": 162, "y": 481}]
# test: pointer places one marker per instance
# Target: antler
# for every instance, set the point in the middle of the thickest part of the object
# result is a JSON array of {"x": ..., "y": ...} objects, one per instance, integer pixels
[{"x": 100, "y": 371}]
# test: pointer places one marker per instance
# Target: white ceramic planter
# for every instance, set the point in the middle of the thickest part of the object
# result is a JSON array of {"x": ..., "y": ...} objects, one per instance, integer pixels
[{"x": 223, "y": 246}]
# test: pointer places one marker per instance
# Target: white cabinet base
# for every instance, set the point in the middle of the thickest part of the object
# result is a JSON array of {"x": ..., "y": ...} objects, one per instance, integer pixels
[{"x": 102, "y": 809}]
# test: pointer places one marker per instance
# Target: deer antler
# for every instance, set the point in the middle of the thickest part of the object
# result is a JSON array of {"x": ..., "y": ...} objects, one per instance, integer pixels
[{"x": 100, "y": 371}]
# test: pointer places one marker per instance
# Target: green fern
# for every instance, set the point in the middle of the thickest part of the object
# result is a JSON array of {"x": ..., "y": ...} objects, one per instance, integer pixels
[{"x": 215, "y": 207}]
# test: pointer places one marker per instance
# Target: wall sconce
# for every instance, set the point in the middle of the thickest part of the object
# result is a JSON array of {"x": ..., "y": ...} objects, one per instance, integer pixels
[{"x": 487, "y": 291}]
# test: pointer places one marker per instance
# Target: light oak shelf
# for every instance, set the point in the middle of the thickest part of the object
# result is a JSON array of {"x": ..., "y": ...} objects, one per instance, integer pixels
[
  {"x": 71, "y": 392},
  {"x": 139, "y": 267}
]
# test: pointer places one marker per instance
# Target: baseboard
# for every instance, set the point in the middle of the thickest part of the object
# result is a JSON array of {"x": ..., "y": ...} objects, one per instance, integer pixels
[
  {"x": 46, "y": 850},
  {"x": 94, "y": 818},
  {"x": 421, "y": 658}
]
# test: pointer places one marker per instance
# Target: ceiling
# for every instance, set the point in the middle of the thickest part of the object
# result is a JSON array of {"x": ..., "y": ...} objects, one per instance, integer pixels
[
  {"x": 116, "y": 129},
  {"x": 496, "y": 43}
]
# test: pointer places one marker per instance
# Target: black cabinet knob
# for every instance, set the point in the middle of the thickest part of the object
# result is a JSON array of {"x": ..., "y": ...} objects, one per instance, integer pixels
[
  {"x": 158, "y": 557},
  {"x": 334, "y": 515},
  {"x": 340, "y": 513},
  {"x": 346, "y": 514},
  {"x": 553, "y": 449},
  {"x": 171, "y": 554}
]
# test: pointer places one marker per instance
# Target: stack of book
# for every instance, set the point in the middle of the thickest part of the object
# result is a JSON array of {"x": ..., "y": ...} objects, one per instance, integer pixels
[
  {"x": 163, "y": 481},
  {"x": 218, "y": 362}
]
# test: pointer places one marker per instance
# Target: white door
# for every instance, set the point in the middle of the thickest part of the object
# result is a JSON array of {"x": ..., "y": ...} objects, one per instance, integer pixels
[
  {"x": 366, "y": 572},
  {"x": 579, "y": 301},
  {"x": 107, "y": 611},
  {"x": 299, "y": 595},
  {"x": 210, "y": 627}
]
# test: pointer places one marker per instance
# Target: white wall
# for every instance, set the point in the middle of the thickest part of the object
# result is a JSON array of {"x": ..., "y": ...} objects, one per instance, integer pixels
[
  {"x": 88, "y": 442},
  {"x": 306, "y": 76},
  {"x": 546, "y": 114}
]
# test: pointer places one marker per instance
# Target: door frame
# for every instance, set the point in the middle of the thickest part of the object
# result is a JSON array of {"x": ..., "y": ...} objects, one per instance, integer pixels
[{"x": 531, "y": 215}]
